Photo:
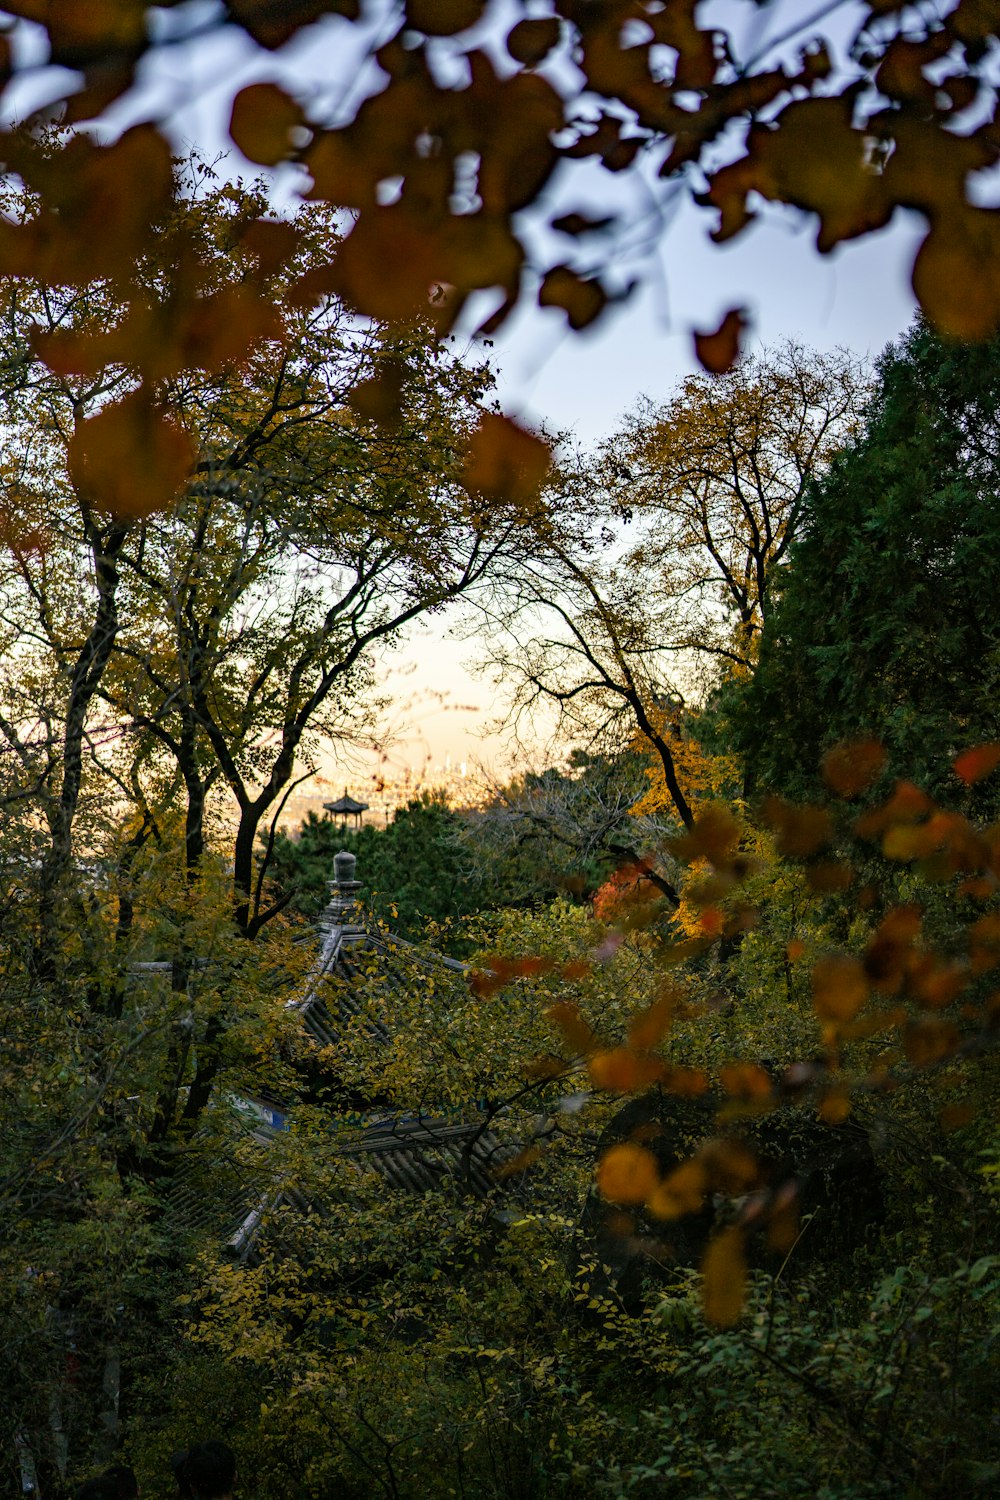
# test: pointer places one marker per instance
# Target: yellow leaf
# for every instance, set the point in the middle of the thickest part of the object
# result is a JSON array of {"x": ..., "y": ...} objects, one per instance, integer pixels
[
  {"x": 682, "y": 1192},
  {"x": 724, "y": 1278},
  {"x": 627, "y": 1174}
]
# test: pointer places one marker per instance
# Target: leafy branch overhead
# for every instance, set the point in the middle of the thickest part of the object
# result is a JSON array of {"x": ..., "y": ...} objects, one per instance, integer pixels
[{"x": 473, "y": 126}]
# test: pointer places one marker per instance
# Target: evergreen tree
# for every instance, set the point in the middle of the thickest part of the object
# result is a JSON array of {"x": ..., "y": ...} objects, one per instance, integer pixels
[{"x": 886, "y": 622}]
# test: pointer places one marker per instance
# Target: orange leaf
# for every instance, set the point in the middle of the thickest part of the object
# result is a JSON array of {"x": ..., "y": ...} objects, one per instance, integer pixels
[
  {"x": 651, "y": 1025},
  {"x": 622, "y": 1072},
  {"x": 263, "y": 123},
  {"x": 566, "y": 1015},
  {"x": 724, "y": 1278},
  {"x": 686, "y": 1083},
  {"x": 730, "y": 1165},
  {"x": 800, "y": 831},
  {"x": 972, "y": 765},
  {"x": 888, "y": 953},
  {"x": 682, "y": 1192},
  {"x": 378, "y": 399},
  {"x": 835, "y": 1107},
  {"x": 505, "y": 462},
  {"x": 937, "y": 986},
  {"x": 929, "y": 1040},
  {"x": 717, "y": 352},
  {"x": 906, "y": 805},
  {"x": 850, "y": 768},
  {"x": 221, "y": 329},
  {"x": 746, "y": 1080},
  {"x": 130, "y": 458},
  {"x": 272, "y": 241},
  {"x": 839, "y": 987},
  {"x": 518, "y": 1163},
  {"x": 714, "y": 836},
  {"x": 627, "y": 1174}
]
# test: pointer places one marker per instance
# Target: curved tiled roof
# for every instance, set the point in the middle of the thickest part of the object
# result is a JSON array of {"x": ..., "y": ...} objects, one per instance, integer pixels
[{"x": 411, "y": 1152}]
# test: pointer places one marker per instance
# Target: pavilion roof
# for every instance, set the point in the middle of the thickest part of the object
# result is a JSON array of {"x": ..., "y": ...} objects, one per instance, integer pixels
[{"x": 346, "y": 804}]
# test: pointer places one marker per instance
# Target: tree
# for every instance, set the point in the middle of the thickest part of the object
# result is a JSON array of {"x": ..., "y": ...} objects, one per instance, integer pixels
[
  {"x": 699, "y": 501},
  {"x": 233, "y": 629},
  {"x": 560, "y": 831},
  {"x": 415, "y": 871},
  {"x": 885, "y": 624},
  {"x": 713, "y": 481}
]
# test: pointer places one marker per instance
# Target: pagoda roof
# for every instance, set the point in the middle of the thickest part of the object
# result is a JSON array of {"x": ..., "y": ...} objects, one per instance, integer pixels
[{"x": 346, "y": 804}]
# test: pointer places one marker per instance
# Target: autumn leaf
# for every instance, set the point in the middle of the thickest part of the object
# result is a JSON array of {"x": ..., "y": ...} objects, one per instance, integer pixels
[
  {"x": 263, "y": 123},
  {"x": 745, "y": 1080},
  {"x": 623, "y": 1072},
  {"x": 839, "y": 986},
  {"x": 576, "y": 224},
  {"x": 131, "y": 458},
  {"x": 800, "y": 831},
  {"x": 907, "y": 804},
  {"x": 577, "y": 1031},
  {"x": 828, "y": 876},
  {"x": 681, "y": 1192},
  {"x": 835, "y": 1107},
  {"x": 730, "y": 1165},
  {"x": 443, "y": 17},
  {"x": 929, "y": 1040},
  {"x": 724, "y": 1278},
  {"x": 530, "y": 41},
  {"x": 714, "y": 836},
  {"x": 850, "y": 768},
  {"x": 813, "y": 157},
  {"x": 583, "y": 299},
  {"x": 651, "y": 1026},
  {"x": 378, "y": 399},
  {"x": 273, "y": 24},
  {"x": 976, "y": 763},
  {"x": 955, "y": 276},
  {"x": 505, "y": 462},
  {"x": 627, "y": 1173},
  {"x": 273, "y": 242},
  {"x": 717, "y": 352}
]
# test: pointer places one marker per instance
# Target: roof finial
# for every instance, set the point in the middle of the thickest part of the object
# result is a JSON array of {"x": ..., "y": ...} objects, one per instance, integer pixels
[{"x": 343, "y": 889}]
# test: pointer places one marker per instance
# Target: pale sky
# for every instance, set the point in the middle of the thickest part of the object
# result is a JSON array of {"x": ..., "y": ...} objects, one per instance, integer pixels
[{"x": 858, "y": 297}]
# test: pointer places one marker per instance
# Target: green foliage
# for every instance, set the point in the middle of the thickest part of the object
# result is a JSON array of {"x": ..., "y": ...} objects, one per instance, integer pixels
[
  {"x": 414, "y": 870},
  {"x": 886, "y": 624}
]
